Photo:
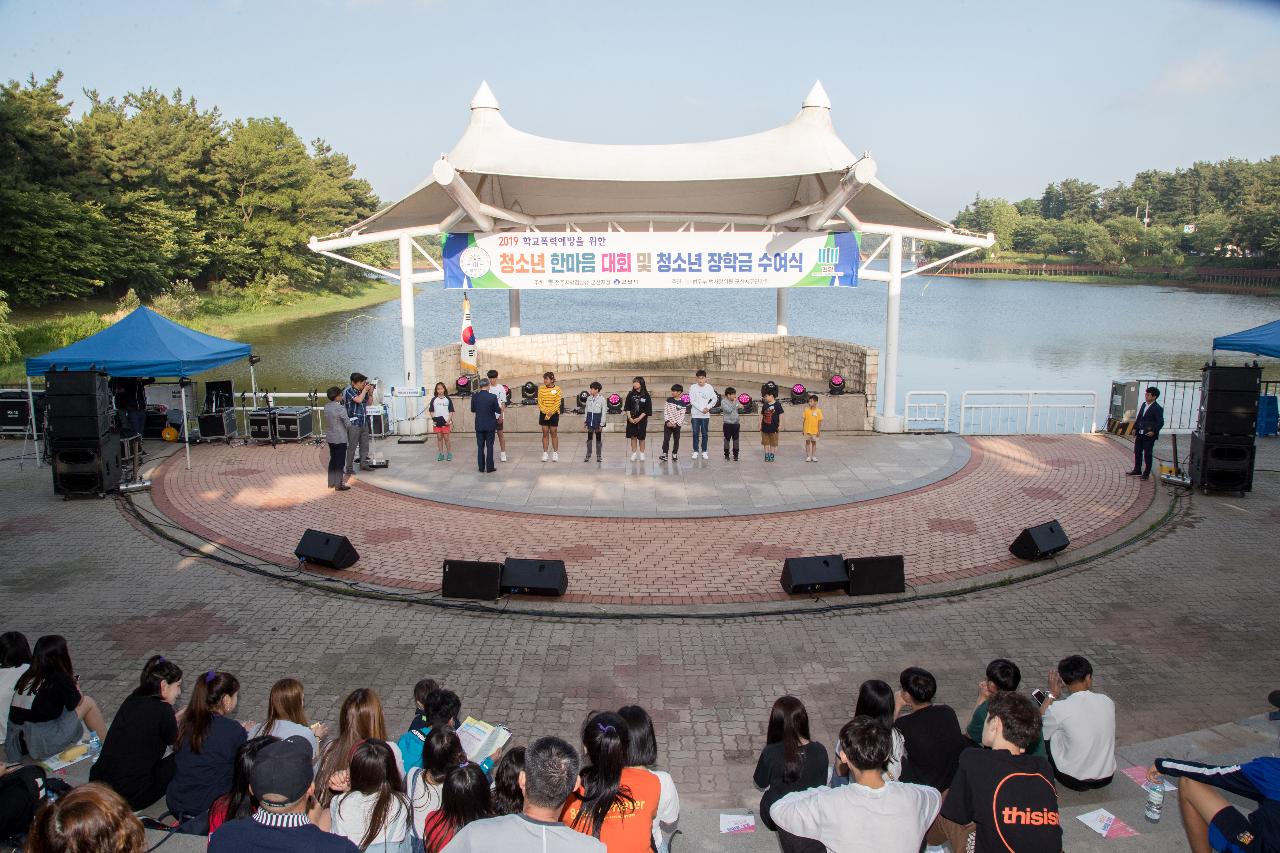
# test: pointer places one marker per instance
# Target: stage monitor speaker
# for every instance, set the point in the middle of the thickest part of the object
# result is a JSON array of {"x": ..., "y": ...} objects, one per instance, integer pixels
[
  {"x": 876, "y": 575},
  {"x": 803, "y": 575},
  {"x": 534, "y": 577},
  {"x": 471, "y": 579},
  {"x": 1036, "y": 543},
  {"x": 326, "y": 549}
]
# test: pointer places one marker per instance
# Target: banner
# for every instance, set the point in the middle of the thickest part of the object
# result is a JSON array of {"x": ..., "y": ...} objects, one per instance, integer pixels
[
  {"x": 467, "y": 352},
  {"x": 709, "y": 259}
]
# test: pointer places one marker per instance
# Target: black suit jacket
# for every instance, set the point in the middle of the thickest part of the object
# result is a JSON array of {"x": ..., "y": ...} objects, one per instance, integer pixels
[
  {"x": 1152, "y": 420},
  {"x": 485, "y": 405}
]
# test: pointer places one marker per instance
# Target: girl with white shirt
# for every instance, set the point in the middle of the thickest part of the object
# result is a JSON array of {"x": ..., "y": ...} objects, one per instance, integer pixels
[
  {"x": 15, "y": 659},
  {"x": 442, "y": 422},
  {"x": 374, "y": 814},
  {"x": 875, "y": 700},
  {"x": 441, "y": 752},
  {"x": 642, "y": 753}
]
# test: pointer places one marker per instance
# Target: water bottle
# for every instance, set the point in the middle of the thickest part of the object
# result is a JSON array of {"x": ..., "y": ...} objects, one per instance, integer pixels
[
  {"x": 1155, "y": 801},
  {"x": 95, "y": 747}
]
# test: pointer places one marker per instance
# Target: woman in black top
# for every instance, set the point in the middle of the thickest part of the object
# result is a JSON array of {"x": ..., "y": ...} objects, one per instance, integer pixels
[
  {"x": 790, "y": 762},
  {"x": 133, "y": 758},
  {"x": 48, "y": 707},
  {"x": 638, "y": 407}
]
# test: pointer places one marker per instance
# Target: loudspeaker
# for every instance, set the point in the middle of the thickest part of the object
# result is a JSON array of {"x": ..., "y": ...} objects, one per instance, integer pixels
[
  {"x": 1222, "y": 463},
  {"x": 1222, "y": 378},
  {"x": 876, "y": 575},
  {"x": 326, "y": 549},
  {"x": 1036, "y": 543},
  {"x": 534, "y": 577},
  {"x": 470, "y": 579},
  {"x": 87, "y": 466},
  {"x": 802, "y": 575},
  {"x": 76, "y": 383}
]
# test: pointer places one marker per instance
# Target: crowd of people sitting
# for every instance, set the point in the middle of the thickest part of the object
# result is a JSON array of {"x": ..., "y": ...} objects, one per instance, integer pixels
[{"x": 904, "y": 774}]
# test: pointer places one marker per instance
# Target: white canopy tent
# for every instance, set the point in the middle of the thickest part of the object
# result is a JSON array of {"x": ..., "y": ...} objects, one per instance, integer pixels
[{"x": 797, "y": 177}]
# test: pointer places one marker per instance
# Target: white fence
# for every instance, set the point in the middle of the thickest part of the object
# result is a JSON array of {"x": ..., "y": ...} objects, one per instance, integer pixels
[
  {"x": 1001, "y": 412},
  {"x": 927, "y": 411}
]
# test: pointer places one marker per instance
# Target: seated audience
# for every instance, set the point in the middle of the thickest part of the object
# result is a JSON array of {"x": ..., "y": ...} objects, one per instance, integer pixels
[
  {"x": 931, "y": 731},
  {"x": 1079, "y": 727},
  {"x": 205, "y": 757},
  {"x": 133, "y": 759},
  {"x": 441, "y": 753},
  {"x": 90, "y": 819},
  {"x": 1002, "y": 794},
  {"x": 790, "y": 762},
  {"x": 875, "y": 700},
  {"x": 1209, "y": 821},
  {"x": 614, "y": 803},
  {"x": 435, "y": 707},
  {"x": 1002, "y": 676},
  {"x": 48, "y": 712},
  {"x": 287, "y": 716},
  {"x": 282, "y": 780},
  {"x": 872, "y": 814},
  {"x": 642, "y": 754},
  {"x": 15, "y": 658},
  {"x": 375, "y": 812},
  {"x": 549, "y": 777},
  {"x": 360, "y": 719},
  {"x": 239, "y": 801},
  {"x": 465, "y": 798},
  {"x": 507, "y": 796}
]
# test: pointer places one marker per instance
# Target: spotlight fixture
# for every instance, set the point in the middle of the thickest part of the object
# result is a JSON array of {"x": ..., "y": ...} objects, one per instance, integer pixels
[
  {"x": 613, "y": 404},
  {"x": 685, "y": 401},
  {"x": 769, "y": 387},
  {"x": 748, "y": 405},
  {"x": 582, "y": 402},
  {"x": 463, "y": 385},
  {"x": 528, "y": 394},
  {"x": 836, "y": 384},
  {"x": 799, "y": 394}
]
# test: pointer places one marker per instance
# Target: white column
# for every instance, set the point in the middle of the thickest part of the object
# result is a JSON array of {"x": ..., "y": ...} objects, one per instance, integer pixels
[
  {"x": 407, "y": 329},
  {"x": 890, "y": 421},
  {"x": 513, "y": 309},
  {"x": 782, "y": 310}
]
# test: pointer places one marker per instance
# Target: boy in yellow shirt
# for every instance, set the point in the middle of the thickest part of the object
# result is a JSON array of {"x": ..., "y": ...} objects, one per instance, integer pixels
[
  {"x": 549, "y": 399},
  {"x": 812, "y": 418}
]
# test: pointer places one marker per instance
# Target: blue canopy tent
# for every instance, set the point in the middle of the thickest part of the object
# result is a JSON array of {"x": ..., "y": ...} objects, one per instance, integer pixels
[
  {"x": 143, "y": 344},
  {"x": 1261, "y": 340}
]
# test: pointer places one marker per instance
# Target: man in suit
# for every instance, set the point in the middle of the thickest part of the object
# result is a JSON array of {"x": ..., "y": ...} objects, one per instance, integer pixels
[
  {"x": 487, "y": 411},
  {"x": 1146, "y": 429}
]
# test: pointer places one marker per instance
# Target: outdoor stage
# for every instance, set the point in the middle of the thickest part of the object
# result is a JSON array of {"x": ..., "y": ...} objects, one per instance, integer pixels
[{"x": 696, "y": 533}]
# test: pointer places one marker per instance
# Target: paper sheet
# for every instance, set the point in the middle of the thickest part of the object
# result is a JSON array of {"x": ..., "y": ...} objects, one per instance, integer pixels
[
  {"x": 1106, "y": 824},
  {"x": 1139, "y": 777},
  {"x": 730, "y": 823}
]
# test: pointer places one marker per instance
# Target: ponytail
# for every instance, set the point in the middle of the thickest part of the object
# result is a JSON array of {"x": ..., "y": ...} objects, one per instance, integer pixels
[
  {"x": 606, "y": 740},
  {"x": 155, "y": 672},
  {"x": 210, "y": 689}
]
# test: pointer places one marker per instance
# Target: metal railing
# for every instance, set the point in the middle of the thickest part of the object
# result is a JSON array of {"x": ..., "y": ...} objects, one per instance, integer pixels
[
  {"x": 1180, "y": 399},
  {"x": 929, "y": 414},
  {"x": 1001, "y": 412}
]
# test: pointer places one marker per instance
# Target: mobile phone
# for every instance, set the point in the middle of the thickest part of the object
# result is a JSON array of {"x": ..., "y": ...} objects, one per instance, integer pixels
[{"x": 1040, "y": 695}]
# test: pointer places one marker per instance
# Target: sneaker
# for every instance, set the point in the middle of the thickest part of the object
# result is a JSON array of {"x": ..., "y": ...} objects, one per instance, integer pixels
[
  {"x": 704, "y": 454},
  {"x": 342, "y": 488},
  {"x": 735, "y": 457},
  {"x": 662, "y": 458},
  {"x": 503, "y": 456},
  {"x": 544, "y": 456},
  {"x": 587, "y": 458},
  {"x": 641, "y": 455},
  {"x": 448, "y": 457},
  {"x": 726, "y": 456},
  {"x": 674, "y": 457},
  {"x": 439, "y": 457},
  {"x": 555, "y": 456},
  {"x": 634, "y": 454}
]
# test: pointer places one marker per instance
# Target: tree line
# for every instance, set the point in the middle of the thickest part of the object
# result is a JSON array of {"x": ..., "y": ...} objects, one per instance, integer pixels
[
  {"x": 150, "y": 189},
  {"x": 1225, "y": 212}
]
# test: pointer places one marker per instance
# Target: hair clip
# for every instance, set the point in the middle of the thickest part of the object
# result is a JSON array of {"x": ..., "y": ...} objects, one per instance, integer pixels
[
  {"x": 159, "y": 658},
  {"x": 605, "y": 727},
  {"x": 463, "y": 765},
  {"x": 210, "y": 676}
]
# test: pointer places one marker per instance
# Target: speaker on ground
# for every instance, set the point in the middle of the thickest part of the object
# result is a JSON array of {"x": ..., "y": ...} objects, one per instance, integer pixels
[
  {"x": 330, "y": 550},
  {"x": 876, "y": 575},
  {"x": 803, "y": 575},
  {"x": 1036, "y": 543},
  {"x": 86, "y": 466},
  {"x": 534, "y": 577},
  {"x": 1222, "y": 463},
  {"x": 471, "y": 579}
]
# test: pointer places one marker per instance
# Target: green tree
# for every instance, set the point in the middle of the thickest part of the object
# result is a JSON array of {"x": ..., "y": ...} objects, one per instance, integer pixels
[
  {"x": 993, "y": 215},
  {"x": 1053, "y": 204},
  {"x": 9, "y": 350}
]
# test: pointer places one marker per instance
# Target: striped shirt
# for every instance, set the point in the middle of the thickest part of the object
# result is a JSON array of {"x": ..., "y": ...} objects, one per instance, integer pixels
[
  {"x": 673, "y": 412},
  {"x": 355, "y": 409},
  {"x": 549, "y": 399}
]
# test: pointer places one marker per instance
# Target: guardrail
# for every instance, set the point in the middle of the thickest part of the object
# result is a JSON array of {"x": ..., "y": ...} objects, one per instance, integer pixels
[
  {"x": 1180, "y": 399},
  {"x": 927, "y": 414},
  {"x": 1021, "y": 412}
]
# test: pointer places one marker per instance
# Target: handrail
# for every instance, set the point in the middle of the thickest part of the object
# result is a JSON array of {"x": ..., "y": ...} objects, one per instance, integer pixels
[
  {"x": 1030, "y": 407},
  {"x": 931, "y": 407}
]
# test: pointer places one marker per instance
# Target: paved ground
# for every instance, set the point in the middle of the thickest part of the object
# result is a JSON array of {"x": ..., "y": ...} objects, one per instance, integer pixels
[
  {"x": 261, "y": 499},
  {"x": 1181, "y": 629}
]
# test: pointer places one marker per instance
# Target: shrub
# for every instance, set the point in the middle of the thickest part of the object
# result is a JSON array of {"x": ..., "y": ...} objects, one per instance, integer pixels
[
  {"x": 128, "y": 303},
  {"x": 179, "y": 302},
  {"x": 9, "y": 350}
]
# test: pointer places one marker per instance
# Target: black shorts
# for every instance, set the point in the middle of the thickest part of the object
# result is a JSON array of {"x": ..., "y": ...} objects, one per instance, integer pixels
[
  {"x": 638, "y": 430},
  {"x": 1230, "y": 832},
  {"x": 551, "y": 420}
]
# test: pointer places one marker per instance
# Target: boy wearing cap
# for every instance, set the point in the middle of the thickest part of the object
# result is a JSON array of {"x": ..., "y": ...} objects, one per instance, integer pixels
[{"x": 283, "y": 781}]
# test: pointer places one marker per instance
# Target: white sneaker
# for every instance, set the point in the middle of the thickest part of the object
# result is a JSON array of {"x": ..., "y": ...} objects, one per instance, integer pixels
[
  {"x": 634, "y": 454},
  {"x": 555, "y": 456},
  {"x": 504, "y": 456},
  {"x": 704, "y": 454},
  {"x": 642, "y": 456},
  {"x": 544, "y": 456}
]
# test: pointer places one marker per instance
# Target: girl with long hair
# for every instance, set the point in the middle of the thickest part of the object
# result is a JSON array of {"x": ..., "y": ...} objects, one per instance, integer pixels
[
  {"x": 48, "y": 712},
  {"x": 464, "y": 798},
  {"x": 90, "y": 819},
  {"x": 789, "y": 762},
  {"x": 15, "y": 659},
  {"x": 638, "y": 408},
  {"x": 614, "y": 802},
  {"x": 441, "y": 752},
  {"x": 875, "y": 700},
  {"x": 239, "y": 801},
  {"x": 442, "y": 421},
  {"x": 642, "y": 754},
  {"x": 360, "y": 719},
  {"x": 374, "y": 814},
  {"x": 205, "y": 757},
  {"x": 287, "y": 716},
  {"x": 507, "y": 796},
  {"x": 133, "y": 759}
]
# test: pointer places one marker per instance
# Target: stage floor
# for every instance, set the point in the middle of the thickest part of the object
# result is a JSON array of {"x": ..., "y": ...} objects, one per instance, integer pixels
[{"x": 849, "y": 469}]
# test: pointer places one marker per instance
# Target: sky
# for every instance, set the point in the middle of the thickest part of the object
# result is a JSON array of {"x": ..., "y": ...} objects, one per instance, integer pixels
[{"x": 952, "y": 99}]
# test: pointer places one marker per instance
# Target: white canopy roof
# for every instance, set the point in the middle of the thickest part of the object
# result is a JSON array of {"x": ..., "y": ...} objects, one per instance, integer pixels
[{"x": 499, "y": 177}]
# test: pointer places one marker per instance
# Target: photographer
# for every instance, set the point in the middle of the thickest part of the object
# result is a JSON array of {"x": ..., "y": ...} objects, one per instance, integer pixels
[{"x": 356, "y": 398}]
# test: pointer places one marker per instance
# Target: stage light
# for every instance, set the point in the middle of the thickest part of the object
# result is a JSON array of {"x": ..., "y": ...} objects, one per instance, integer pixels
[
  {"x": 747, "y": 404},
  {"x": 463, "y": 385},
  {"x": 582, "y": 401},
  {"x": 614, "y": 404},
  {"x": 769, "y": 387},
  {"x": 528, "y": 394},
  {"x": 836, "y": 384},
  {"x": 799, "y": 394},
  {"x": 685, "y": 401}
]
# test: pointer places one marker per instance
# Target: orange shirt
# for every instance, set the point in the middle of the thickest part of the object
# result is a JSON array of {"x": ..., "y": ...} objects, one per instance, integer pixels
[{"x": 625, "y": 829}]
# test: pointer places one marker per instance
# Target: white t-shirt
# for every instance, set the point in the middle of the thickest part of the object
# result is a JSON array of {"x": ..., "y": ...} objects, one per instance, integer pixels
[
  {"x": 1082, "y": 728},
  {"x": 440, "y": 407},
  {"x": 702, "y": 397},
  {"x": 424, "y": 795},
  {"x": 668, "y": 808},
  {"x": 287, "y": 728},
  {"x": 9, "y": 676},
  {"x": 856, "y": 819},
  {"x": 351, "y": 813},
  {"x": 516, "y": 833}
]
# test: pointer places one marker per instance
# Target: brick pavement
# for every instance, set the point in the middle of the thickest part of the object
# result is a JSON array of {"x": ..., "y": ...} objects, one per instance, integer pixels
[
  {"x": 260, "y": 500},
  {"x": 1181, "y": 629}
]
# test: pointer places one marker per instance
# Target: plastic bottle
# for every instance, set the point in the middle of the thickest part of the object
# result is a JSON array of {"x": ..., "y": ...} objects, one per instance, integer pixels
[
  {"x": 95, "y": 747},
  {"x": 1155, "y": 801}
]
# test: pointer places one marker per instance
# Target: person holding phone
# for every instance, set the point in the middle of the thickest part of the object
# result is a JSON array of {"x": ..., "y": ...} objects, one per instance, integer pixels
[{"x": 356, "y": 398}]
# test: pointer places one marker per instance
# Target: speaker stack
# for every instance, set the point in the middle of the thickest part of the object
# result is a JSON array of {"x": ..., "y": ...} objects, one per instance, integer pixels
[
  {"x": 1222, "y": 446},
  {"x": 83, "y": 441}
]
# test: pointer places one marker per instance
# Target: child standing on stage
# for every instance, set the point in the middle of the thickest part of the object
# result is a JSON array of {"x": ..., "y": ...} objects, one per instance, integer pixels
[
  {"x": 549, "y": 399},
  {"x": 729, "y": 408},
  {"x": 770, "y": 424},
  {"x": 442, "y": 422},
  {"x": 672, "y": 421},
  {"x": 594, "y": 422},
  {"x": 812, "y": 426},
  {"x": 638, "y": 407},
  {"x": 335, "y": 433}
]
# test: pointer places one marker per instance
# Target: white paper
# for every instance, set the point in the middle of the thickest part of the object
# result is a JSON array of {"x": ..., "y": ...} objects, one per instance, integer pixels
[
  {"x": 1099, "y": 820},
  {"x": 730, "y": 823}
]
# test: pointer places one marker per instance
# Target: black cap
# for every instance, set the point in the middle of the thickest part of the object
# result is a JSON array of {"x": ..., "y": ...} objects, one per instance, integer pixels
[{"x": 282, "y": 771}]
